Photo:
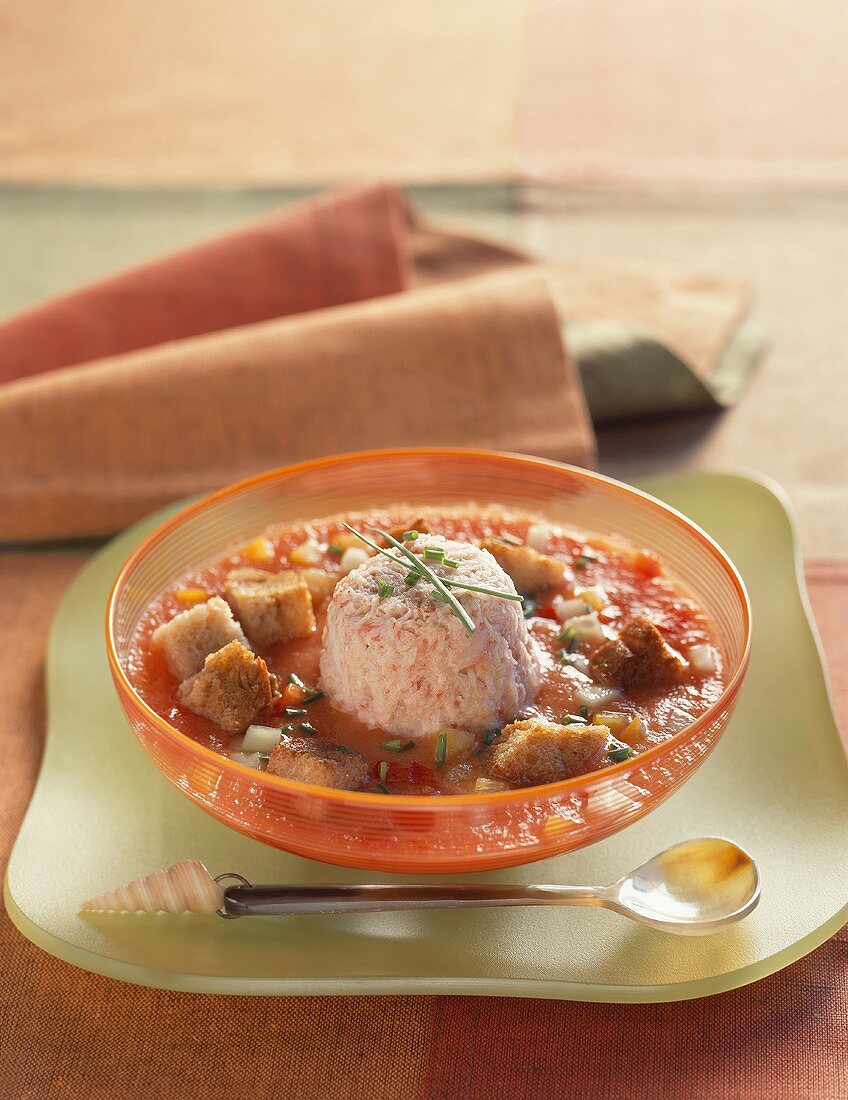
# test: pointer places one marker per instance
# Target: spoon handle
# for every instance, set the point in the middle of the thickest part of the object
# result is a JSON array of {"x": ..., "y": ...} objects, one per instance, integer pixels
[{"x": 254, "y": 901}]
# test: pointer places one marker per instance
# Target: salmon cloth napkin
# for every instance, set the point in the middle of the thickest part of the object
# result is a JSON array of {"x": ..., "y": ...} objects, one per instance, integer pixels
[
  {"x": 340, "y": 323},
  {"x": 259, "y": 350}
]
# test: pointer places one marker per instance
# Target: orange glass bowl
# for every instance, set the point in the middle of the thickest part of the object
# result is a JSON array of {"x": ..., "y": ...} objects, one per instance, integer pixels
[{"x": 428, "y": 834}]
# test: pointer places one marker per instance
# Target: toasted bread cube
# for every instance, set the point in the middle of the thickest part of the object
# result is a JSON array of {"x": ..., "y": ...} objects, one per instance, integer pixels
[
  {"x": 640, "y": 659},
  {"x": 531, "y": 571},
  {"x": 187, "y": 640},
  {"x": 232, "y": 689},
  {"x": 273, "y": 607},
  {"x": 320, "y": 762},
  {"x": 535, "y": 752}
]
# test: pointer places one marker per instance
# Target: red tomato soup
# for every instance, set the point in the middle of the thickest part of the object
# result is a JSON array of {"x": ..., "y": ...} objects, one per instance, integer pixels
[{"x": 454, "y": 651}]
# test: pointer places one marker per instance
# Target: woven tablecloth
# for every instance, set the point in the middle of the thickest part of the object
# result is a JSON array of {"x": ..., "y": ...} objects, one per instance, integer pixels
[{"x": 68, "y": 1033}]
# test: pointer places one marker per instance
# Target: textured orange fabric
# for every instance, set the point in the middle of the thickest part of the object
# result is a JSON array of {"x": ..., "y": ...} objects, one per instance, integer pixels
[
  {"x": 258, "y": 349},
  {"x": 339, "y": 247},
  {"x": 68, "y": 1033},
  {"x": 86, "y": 450}
]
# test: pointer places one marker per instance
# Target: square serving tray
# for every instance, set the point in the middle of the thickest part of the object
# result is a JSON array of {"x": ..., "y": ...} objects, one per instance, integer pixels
[{"x": 777, "y": 783}]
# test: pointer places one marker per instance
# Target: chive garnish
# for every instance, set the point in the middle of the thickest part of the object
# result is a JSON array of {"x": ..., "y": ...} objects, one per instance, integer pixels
[
  {"x": 485, "y": 741},
  {"x": 264, "y": 757},
  {"x": 395, "y": 745},
  {"x": 434, "y": 553},
  {"x": 385, "y": 589},
  {"x": 618, "y": 750},
  {"x": 384, "y": 770},
  {"x": 583, "y": 712},
  {"x": 408, "y": 536},
  {"x": 336, "y": 551},
  {"x": 307, "y": 728},
  {"x": 419, "y": 569},
  {"x": 569, "y": 639},
  {"x": 296, "y": 712},
  {"x": 405, "y": 748},
  {"x": 441, "y": 749},
  {"x": 383, "y": 789},
  {"x": 449, "y": 563},
  {"x": 573, "y": 719},
  {"x": 582, "y": 560},
  {"x": 411, "y": 578},
  {"x": 510, "y": 540}
]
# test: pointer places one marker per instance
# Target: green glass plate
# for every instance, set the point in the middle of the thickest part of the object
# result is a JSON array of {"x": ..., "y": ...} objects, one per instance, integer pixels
[{"x": 777, "y": 783}]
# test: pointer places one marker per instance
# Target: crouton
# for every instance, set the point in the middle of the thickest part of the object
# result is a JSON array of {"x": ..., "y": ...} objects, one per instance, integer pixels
[
  {"x": 531, "y": 571},
  {"x": 640, "y": 659},
  {"x": 535, "y": 751},
  {"x": 318, "y": 761},
  {"x": 231, "y": 690},
  {"x": 273, "y": 607},
  {"x": 319, "y": 581},
  {"x": 187, "y": 640}
]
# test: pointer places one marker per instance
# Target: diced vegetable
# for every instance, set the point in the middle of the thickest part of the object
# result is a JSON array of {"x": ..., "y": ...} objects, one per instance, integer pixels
[
  {"x": 192, "y": 595},
  {"x": 352, "y": 558},
  {"x": 703, "y": 659},
  {"x": 566, "y": 609},
  {"x": 490, "y": 786},
  {"x": 588, "y": 628},
  {"x": 578, "y": 661},
  {"x": 634, "y": 732},
  {"x": 538, "y": 535},
  {"x": 594, "y": 596},
  {"x": 618, "y": 750},
  {"x": 456, "y": 742},
  {"x": 260, "y": 550},
  {"x": 249, "y": 759},
  {"x": 616, "y": 723},
  {"x": 572, "y": 719},
  {"x": 308, "y": 553},
  {"x": 592, "y": 696},
  {"x": 260, "y": 739}
]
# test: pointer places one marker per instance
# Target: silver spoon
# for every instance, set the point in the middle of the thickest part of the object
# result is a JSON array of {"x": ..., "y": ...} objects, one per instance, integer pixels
[{"x": 694, "y": 888}]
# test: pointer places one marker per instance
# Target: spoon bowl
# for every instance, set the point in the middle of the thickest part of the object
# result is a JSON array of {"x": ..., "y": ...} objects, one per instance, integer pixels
[{"x": 693, "y": 888}]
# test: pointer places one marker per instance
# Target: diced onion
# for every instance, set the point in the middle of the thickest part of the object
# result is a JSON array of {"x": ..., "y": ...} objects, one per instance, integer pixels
[
  {"x": 490, "y": 786},
  {"x": 702, "y": 658},
  {"x": 579, "y": 661},
  {"x": 594, "y": 596},
  {"x": 566, "y": 609},
  {"x": 250, "y": 759},
  {"x": 308, "y": 553},
  {"x": 538, "y": 535},
  {"x": 260, "y": 739},
  {"x": 587, "y": 627},
  {"x": 352, "y": 558},
  {"x": 594, "y": 695}
]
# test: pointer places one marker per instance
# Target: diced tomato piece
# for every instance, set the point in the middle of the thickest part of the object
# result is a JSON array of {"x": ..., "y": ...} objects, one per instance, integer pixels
[
  {"x": 406, "y": 774},
  {"x": 293, "y": 696}
]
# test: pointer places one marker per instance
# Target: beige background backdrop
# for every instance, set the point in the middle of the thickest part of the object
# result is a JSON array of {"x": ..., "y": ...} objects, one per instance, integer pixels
[{"x": 306, "y": 91}]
